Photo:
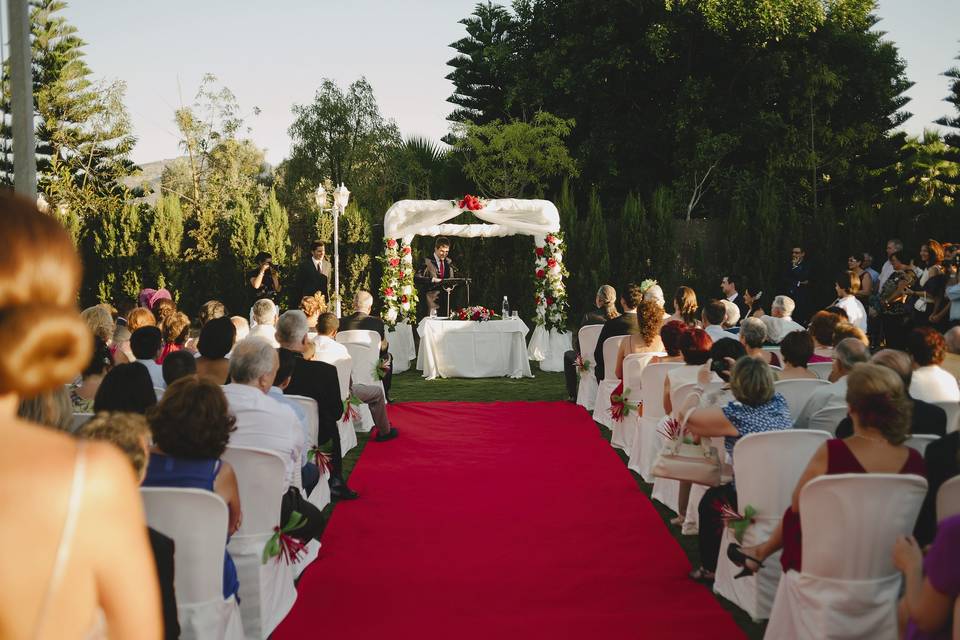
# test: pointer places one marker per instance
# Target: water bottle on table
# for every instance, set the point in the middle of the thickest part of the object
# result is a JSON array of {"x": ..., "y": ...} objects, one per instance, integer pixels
[{"x": 505, "y": 311}]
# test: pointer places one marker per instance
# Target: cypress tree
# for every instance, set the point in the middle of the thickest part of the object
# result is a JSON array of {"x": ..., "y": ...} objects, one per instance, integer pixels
[
  {"x": 631, "y": 240},
  {"x": 273, "y": 232},
  {"x": 595, "y": 247},
  {"x": 113, "y": 252},
  {"x": 165, "y": 237},
  {"x": 241, "y": 226}
]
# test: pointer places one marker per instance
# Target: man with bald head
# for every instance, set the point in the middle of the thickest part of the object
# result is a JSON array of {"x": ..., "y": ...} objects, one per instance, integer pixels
[
  {"x": 846, "y": 354},
  {"x": 361, "y": 319}
]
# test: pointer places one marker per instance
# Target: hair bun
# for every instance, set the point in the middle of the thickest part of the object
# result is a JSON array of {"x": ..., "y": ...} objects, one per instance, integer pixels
[{"x": 45, "y": 346}]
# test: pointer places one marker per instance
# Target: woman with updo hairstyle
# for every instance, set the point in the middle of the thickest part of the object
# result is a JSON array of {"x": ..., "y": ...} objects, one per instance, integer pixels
[
  {"x": 74, "y": 505},
  {"x": 685, "y": 307},
  {"x": 175, "y": 331},
  {"x": 647, "y": 340},
  {"x": 163, "y": 309},
  {"x": 191, "y": 428},
  {"x": 216, "y": 341},
  {"x": 821, "y": 329},
  {"x": 140, "y": 317},
  {"x": 312, "y": 307},
  {"x": 881, "y": 412},
  {"x": 670, "y": 334},
  {"x": 100, "y": 321}
]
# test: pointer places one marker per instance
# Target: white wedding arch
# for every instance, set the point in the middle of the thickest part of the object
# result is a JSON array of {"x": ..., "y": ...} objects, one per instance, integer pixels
[{"x": 540, "y": 219}]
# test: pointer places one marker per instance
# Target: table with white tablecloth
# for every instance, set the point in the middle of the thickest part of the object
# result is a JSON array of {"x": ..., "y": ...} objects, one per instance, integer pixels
[{"x": 469, "y": 349}]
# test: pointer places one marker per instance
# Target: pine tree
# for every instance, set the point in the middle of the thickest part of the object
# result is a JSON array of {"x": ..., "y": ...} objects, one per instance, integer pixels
[
  {"x": 952, "y": 139},
  {"x": 273, "y": 232}
]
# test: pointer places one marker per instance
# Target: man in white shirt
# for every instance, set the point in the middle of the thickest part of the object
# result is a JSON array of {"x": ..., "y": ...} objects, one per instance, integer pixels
[
  {"x": 264, "y": 423},
  {"x": 893, "y": 246},
  {"x": 330, "y": 351},
  {"x": 930, "y": 382},
  {"x": 146, "y": 343},
  {"x": 846, "y": 354},
  {"x": 845, "y": 284},
  {"x": 264, "y": 316},
  {"x": 713, "y": 316},
  {"x": 780, "y": 321}
]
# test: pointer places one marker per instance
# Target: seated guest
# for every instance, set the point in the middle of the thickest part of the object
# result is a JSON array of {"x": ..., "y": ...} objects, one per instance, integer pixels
[
  {"x": 146, "y": 344},
  {"x": 163, "y": 310},
  {"x": 100, "y": 321},
  {"x": 309, "y": 472},
  {"x": 216, "y": 341},
  {"x": 362, "y": 320},
  {"x": 191, "y": 427},
  {"x": 654, "y": 293},
  {"x": 620, "y": 326},
  {"x": 846, "y": 286},
  {"x": 209, "y": 310},
  {"x": 82, "y": 394},
  {"x": 130, "y": 433},
  {"x": 796, "y": 349},
  {"x": 931, "y": 600},
  {"x": 712, "y": 317},
  {"x": 930, "y": 381},
  {"x": 821, "y": 329},
  {"x": 647, "y": 339},
  {"x": 175, "y": 331},
  {"x": 695, "y": 347},
  {"x": 780, "y": 321},
  {"x": 242, "y": 326},
  {"x": 753, "y": 333},
  {"x": 757, "y": 408},
  {"x": 845, "y": 330},
  {"x": 126, "y": 387},
  {"x": 880, "y": 410},
  {"x": 50, "y": 409},
  {"x": 685, "y": 307},
  {"x": 317, "y": 380},
  {"x": 606, "y": 309},
  {"x": 264, "y": 423},
  {"x": 140, "y": 317},
  {"x": 751, "y": 298},
  {"x": 264, "y": 315},
  {"x": 120, "y": 346},
  {"x": 312, "y": 307},
  {"x": 942, "y": 458},
  {"x": 149, "y": 298},
  {"x": 330, "y": 351},
  {"x": 670, "y": 336},
  {"x": 848, "y": 353},
  {"x": 178, "y": 364}
]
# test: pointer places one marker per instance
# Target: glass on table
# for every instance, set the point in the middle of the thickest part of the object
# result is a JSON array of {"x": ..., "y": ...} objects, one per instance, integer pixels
[
  {"x": 515, "y": 314},
  {"x": 433, "y": 313}
]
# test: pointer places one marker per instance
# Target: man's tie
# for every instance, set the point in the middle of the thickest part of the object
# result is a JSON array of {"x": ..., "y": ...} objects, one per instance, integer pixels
[
  {"x": 319, "y": 267},
  {"x": 440, "y": 262}
]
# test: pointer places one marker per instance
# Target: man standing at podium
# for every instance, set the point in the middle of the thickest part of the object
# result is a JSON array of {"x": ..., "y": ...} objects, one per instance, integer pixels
[{"x": 429, "y": 276}]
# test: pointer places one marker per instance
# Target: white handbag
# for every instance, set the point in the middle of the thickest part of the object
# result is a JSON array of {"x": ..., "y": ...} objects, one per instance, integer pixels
[{"x": 688, "y": 461}]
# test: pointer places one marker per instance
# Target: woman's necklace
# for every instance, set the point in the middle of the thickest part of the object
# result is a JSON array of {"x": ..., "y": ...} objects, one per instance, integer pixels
[{"x": 869, "y": 439}]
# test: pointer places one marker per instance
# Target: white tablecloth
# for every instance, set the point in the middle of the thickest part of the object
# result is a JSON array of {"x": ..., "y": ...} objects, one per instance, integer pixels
[
  {"x": 402, "y": 347},
  {"x": 466, "y": 349}
]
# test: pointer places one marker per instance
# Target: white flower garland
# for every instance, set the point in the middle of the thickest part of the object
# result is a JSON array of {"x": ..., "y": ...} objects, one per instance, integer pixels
[
  {"x": 551, "y": 294},
  {"x": 396, "y": 286}
]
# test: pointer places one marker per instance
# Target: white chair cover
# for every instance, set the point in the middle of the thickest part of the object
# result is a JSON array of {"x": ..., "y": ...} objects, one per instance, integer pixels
[
  {"x": 402, "y": 347},
  {"x": 587, "y": 388},
  {"x": 196, "y": 520},
  {"x": 948, "y": 499},
  {"x": 827, "y": 419},
  {"x": 320, "y": 496},
  {"x": 364, "y": 361},
  {"x": 646, "y": 444},
  {"x": 623, "y": 432},
  {"x": 767, "y": 467},
  {"x": 848, "y": 586},
  {"x": 601, "y": 405},
  {"x": 348, "y": 435},
  {"x": 79, "y": 419},
  {"x": 920, "y": 442},
  {"x": 797, "y": 392},
  {"x": 953, "y": 415},
  {"x": 822, "y": 369},
  {"x": 360, "y": 336},
  {"x": 267, "y": 592}
]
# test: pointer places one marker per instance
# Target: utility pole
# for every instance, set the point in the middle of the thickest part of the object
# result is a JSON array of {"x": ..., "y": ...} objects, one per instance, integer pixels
[{"x": 21, "y": 99}]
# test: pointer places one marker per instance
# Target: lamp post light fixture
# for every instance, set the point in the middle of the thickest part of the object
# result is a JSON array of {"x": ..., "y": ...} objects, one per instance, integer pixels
[{"x": 341, "y": 196}]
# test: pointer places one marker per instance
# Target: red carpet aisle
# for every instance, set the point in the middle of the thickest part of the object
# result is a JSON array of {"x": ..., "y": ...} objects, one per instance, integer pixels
[{"x": 505, "y": 520}]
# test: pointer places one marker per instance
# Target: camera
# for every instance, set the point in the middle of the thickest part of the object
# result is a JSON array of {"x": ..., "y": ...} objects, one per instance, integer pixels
[{"x": 720, "y": 365}]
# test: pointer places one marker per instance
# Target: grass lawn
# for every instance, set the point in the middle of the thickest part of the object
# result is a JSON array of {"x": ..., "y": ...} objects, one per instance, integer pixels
[{"x": 411, "y": 387}]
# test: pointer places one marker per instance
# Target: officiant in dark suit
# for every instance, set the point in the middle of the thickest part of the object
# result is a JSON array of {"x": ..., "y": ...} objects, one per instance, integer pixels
[
  {"x": 361, "y": 320},
  {"x": 431, "y": 273},
  {"x": 312, "y": 274}
]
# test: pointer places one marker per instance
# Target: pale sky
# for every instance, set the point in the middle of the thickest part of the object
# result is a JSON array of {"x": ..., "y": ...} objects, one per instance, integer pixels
[{"x": 274, "y": 54}]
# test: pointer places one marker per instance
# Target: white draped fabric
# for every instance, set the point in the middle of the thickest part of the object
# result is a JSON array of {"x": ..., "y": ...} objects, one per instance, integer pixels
[
  {"x": 548, "y": 348},
  {"x": 402, "y": 347},
  {"x": 467, "y": 349},
  {"x": 506, "y": 217}
]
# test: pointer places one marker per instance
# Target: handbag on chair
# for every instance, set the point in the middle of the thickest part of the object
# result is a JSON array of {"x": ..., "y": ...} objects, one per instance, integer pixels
[{"x": 698, "y": 463}]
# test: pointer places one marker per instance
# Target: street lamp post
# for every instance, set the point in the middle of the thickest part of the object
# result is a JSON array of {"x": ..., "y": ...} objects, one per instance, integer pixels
[{"x": 341, "y": 196}]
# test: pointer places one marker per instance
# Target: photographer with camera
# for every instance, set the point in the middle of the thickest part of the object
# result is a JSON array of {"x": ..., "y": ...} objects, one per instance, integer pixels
[{"x": 265, "y": 279}]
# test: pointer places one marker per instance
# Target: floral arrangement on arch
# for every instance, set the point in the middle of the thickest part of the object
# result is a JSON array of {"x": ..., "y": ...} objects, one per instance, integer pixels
[
  {"x": 396, "y": 286},
  {"x": 551, "y": 294},
  {"x": 478, "y": 314}
]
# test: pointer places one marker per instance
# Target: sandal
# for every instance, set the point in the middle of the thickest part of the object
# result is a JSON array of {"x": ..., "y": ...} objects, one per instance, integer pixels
[
  {"x": 678, "y": 521},
  {"x": 736, "y": 555},
  {"x": 702, "y": 575}
]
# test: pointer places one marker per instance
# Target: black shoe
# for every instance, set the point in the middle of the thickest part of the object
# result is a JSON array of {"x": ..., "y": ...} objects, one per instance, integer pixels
[
  {"x": 738, "y": 557},
  {"x": 390, "y": 435},
  {"x": 343, "y": 492}
]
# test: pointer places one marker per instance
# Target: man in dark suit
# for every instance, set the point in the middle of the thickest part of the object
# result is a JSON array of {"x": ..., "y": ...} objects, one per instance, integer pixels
[
  {"x": 361, "y": 319},
  {"x": 605, "y": 310},
  {"x": 621, "y": 325},
  {"x": 430, "y": 275},
  {"x": 317, "y": 380},
  {"x": 311, "y": 276},
  {"x": 729, "y": 287}
]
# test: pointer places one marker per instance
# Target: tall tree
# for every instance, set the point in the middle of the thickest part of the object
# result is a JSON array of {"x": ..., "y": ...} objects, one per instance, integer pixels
[
  {"x": 273, "y": 232},
  {"x": 165, "y": 237},
  {"x": 952, "y": 138}
]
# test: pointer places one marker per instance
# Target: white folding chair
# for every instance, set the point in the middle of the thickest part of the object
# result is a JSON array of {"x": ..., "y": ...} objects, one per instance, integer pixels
[
  {"x": 624, "y": 431},
  {"x": 79, "y": 419},
  {"x": 360, "y": 336},
  {"x": 847, "y": 587},
  {"x": 645, "y": 448},
  {"x": 587, "y": 387},
  {"x": 797, "y": 392},
  {"x": 822, "y": 369},
  {"x": 920, "y": 441},
  {"x": 267, "y": 592},
  {"x": 320, "y": 496},
  {"x": 196, "y": 520},
  {"x": 953, "y": 414},
  {"x": 767, "y": 467},
  {"x": 601, "y": 405},
  {"x": 365, "y": 360},
  {"x": 948, "y": 499},
  {"x": 828, "y": 419}
]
